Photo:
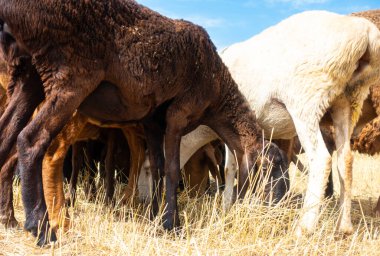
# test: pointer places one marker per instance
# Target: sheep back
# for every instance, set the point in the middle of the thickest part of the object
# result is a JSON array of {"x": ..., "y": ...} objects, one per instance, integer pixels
[{"x": 306, "y": 60}]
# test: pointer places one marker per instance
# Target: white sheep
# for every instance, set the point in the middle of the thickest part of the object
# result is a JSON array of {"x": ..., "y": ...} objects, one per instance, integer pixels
[{"x": 296, "y": 71}]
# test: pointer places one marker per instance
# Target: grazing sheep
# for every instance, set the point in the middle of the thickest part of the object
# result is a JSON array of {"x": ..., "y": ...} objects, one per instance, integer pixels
[
  {"x": 165, "y": 73},
  {"x": 296, "y": 71},
  {"x": 53, "y": 160}
]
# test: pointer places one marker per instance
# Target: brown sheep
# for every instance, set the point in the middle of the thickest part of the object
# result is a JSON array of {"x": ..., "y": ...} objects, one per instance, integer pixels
[
  {"x": 53, "y": 162},
  {"x": 165, "y": 73}
]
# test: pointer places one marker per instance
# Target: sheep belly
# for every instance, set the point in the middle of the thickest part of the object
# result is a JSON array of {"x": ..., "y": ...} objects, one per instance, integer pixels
[
  {"x": 107, "y": 106},
  {"x": 274, "y": 116}
]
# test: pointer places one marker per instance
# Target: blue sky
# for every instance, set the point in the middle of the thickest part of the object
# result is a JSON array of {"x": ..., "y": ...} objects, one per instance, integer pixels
[{"x": 230, "y": 21}]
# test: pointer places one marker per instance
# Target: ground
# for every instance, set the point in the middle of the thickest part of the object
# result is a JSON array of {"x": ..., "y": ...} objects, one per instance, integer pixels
[{"x": 249, "y": 228}]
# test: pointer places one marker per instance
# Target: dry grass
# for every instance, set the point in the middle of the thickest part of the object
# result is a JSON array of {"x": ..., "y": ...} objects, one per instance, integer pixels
[{"x": 249, "y": 228}]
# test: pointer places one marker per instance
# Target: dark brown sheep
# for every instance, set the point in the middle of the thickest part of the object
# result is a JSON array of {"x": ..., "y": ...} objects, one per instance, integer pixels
[
  {"x": 165, "y": 73},
  {"x": 77, "y": 129},
  {"x": 18, "y": 62}
]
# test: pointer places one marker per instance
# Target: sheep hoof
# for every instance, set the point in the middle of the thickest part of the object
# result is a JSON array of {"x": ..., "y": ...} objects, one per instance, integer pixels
[
  {"x": 376, "y": 212},
  {"x": 46, "y": 237},
  {"x": 170, "y": 222},
  {"x": 69, "y": 199},
  {"x": 346, "y": 229},
  {"x": 128, "y": 196},
  {"x": 44, "y": 234},
  {"x": 307, "y": 225},
  {"x": 302, "y": 231},
  {"x": 168, "y": 225},
  {"x": 8, "y": 222},
  {"x": 31, "y": 225}
]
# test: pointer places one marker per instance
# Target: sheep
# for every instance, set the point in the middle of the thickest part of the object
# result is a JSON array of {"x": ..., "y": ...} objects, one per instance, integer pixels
[
  {"x": 164, "y": 73},
  {"x": 53, "y": 160},
  {"x": 296, "y": 71}
]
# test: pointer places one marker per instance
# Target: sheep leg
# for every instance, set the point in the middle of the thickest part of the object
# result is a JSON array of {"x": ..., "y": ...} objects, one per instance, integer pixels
[
  {"x": 22, "y": 104},
  {"x": 229, "y": 195},
  {"x": 110, "y": 167},
  {"x": 77, "y": 163},
  {"x": 196, "y": 174},
  {"x": 212, "y": 163},
  {"x": 136, "y": 148},
  {"x": 91, "y": 167},
  {"x": 319, "y": 158},
  {"x": 329, "y": 192},
  {"x": 52, "y": 172},
  {"x": 7, "y": 216},
  {"x": 172, "y": 176},
  {"x": 145, "y": 180},
  {"x": 376, "y": 210},
  {"x": 297, "y": 162},
  {"x": 341, "y": 115},
  {"x": 78, "y": 155},
  {"x": 36, "y": 137},
  {"x": 154, "y": 138}
]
